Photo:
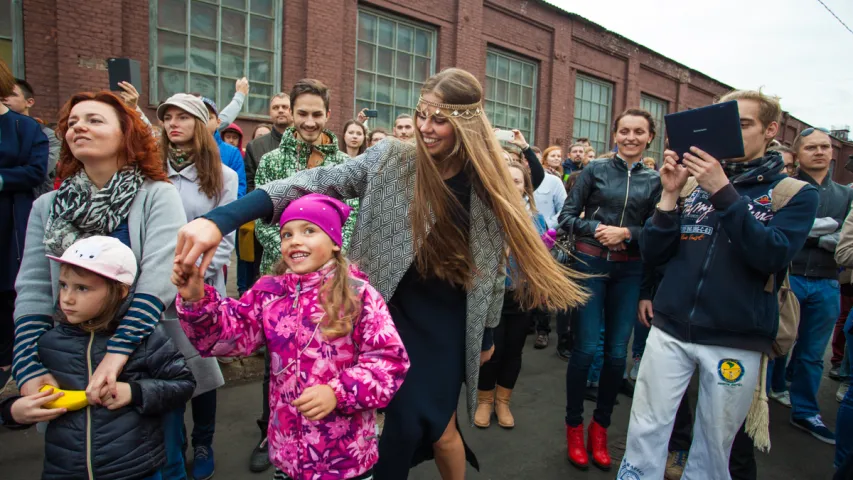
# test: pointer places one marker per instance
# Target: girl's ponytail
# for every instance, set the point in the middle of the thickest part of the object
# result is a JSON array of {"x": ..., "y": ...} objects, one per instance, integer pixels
[{"x": 339, "y": 301}]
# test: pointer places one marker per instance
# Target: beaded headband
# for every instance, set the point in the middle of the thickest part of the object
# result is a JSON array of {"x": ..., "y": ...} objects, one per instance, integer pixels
[{"x": 448, "y": 110}]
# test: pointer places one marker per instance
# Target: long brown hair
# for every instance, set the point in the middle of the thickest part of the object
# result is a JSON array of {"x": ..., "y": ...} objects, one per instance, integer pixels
[
  {"x": 528, "y": 183},
  {"x": 7, "y": 80},
  {"x": 340, "y": 303},
  {"x": 546, "y": 283},
  {"x": 140, "y": 147},
  {"x": 205, "y": 154},
  {"x": 106, "y": 320}
]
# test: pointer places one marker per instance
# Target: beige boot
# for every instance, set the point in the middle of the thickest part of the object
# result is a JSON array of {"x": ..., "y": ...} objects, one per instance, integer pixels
[
  {"x": 485, "y": 407},
  {"x": 505, "y": 418}
]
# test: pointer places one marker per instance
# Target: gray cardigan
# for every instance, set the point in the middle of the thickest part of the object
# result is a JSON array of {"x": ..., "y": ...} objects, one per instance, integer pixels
[
  {"x": 155, "y": 217},
  {"x": 383, "y": 178}
]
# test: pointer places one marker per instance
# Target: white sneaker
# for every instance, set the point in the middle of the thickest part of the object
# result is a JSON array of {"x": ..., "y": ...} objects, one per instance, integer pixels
[
  {"x": 782, "y": 397},
  {"x": 635, "y": 369},
  {"x": 842, "y": 391}
]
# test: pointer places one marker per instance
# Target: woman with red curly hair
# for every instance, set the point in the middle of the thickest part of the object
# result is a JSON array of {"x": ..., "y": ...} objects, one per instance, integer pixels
[{"x": 113, "y": 184}]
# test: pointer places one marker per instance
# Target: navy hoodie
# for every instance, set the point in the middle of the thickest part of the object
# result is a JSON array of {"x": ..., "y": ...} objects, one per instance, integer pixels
[{"x": 720, "y": 251}]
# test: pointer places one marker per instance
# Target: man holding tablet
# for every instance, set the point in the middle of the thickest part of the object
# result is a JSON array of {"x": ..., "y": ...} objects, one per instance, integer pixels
[{"x": 721, "y": 243}]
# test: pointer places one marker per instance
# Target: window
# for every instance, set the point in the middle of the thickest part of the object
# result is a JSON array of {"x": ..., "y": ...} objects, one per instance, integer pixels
[
  {"x": 11, "y": 36},
  {"x": 199, "y": 46},
  {"x": 658, "y": 108},
  {"x": 393, "y": 59},
  {"x": 593, "y": 105},
  {"x": 510, "y": 92}
]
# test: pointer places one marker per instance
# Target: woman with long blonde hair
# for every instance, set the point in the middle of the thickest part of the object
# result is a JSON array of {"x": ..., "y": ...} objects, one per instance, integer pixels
[{"x": 440, "y": 217}]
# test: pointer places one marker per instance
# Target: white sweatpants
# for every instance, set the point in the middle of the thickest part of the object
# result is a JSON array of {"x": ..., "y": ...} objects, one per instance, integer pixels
[{"x": 727, "y": 379}]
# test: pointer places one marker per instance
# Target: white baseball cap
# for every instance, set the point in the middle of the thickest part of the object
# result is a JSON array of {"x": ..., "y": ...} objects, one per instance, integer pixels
[{"x": 106, "y": 256}]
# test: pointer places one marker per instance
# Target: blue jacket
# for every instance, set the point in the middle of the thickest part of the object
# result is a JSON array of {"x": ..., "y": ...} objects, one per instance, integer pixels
[
  {"x": 23, "y": 167},
  {"x": 719, "y": 253},
  {"x": 232, "y": 157}
]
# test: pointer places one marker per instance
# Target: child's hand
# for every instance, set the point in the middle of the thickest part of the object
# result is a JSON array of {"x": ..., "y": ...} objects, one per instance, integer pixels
[
  {"x": 316, "y": 402},
  {"x": 121, "y": 400},
  {"x": 30, "y": 409},
  {"x": 190, "y": 286}
]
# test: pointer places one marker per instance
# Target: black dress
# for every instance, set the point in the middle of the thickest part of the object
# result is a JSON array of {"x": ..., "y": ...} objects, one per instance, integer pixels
[{"x": 430, "y": 316}]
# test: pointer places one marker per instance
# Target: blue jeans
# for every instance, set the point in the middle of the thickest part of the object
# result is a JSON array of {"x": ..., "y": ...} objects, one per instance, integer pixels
[
  {"x": 844, "y": 420},
  {"x": 597, "y": 360},
  {"x": 175, "y": 435},
  {"x": 820, "y": 305},
  {"x": 613, "y": 306}
]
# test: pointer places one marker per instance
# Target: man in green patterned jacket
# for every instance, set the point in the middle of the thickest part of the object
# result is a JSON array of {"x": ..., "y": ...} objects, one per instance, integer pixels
[{"x": 305, "y": 145}]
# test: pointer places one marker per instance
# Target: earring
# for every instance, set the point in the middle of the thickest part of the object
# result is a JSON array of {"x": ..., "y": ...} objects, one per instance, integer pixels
[{"x": 648, "y": 145}]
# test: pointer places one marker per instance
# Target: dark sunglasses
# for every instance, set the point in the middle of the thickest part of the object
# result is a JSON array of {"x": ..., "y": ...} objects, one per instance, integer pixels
[{"x": 811, "y": 130}]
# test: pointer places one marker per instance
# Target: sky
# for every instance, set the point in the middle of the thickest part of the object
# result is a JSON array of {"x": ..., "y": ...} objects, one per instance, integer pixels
[{"x": 794, "y": 49}]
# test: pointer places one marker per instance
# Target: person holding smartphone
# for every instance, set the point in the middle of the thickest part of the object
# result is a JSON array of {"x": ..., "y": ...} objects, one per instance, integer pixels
[{"x": 606, "y": 210}]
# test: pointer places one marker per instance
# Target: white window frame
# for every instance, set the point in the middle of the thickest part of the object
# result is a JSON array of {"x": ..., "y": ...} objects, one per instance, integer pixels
[
  {"x": 603, "y": 143},
  {"x": 491, "y": 104},
  {"x": 658, "y": 108},
  {"x": 277, "y": 20},
  {"x": 361, "y": 102},
  {"x": 16, "y": 14}
]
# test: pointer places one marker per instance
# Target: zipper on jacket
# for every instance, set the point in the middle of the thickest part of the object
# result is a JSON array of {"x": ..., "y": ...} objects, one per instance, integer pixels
[
  {"x": 296, "y": 367},
  {"x": 702, "y": 278},
  {"x": 89, "y": 470},
  {"x": 627, "y": 191}
]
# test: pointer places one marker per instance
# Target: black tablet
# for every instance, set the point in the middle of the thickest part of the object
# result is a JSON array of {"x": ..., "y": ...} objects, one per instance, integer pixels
[{"x": 714, "y": 129}]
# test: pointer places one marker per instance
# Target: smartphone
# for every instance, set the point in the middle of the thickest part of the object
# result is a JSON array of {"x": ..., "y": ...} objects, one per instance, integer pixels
[
  {"x": 124, "y": 70},
  {"x": 371, "y": 113},
  {"x": 505, "y": 135}
]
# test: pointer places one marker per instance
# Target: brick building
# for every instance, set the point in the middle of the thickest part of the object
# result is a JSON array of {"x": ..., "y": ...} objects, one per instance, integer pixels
[{"x": 552, "y": 74}]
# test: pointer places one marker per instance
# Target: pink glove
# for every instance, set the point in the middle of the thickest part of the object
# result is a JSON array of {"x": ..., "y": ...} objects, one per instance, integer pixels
[{"x": 549, "y": 238}]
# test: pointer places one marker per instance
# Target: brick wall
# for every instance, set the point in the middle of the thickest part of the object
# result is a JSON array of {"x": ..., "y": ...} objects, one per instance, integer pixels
[{"x": 67, "y": 44}]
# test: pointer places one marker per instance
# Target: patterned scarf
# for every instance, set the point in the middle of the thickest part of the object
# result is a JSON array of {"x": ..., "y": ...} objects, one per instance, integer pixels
[
  {"x": 80, "y": 210},
  {"x": 180, "y": 159},
  {"x": 771, "y": 163}
]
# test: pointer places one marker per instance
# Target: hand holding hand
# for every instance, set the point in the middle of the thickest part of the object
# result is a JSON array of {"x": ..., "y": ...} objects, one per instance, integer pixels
[
  {"x": 30, "y": 409},
  {"x": 706, "y": 169},
  {"x": 123, "y": 398},
  {"x": 197, "y": 238},
  {"x": 190, "y": 285},
  {"x": 103, "y": 381},
  {"x": 242, "y": 86},
  {"x": 129, "y": 94},
  {"x": 645, "y": 313},
  {"x": 316, "y": 402}
]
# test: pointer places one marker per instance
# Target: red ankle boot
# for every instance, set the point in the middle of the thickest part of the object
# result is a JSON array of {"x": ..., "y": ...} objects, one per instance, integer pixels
[
  {"x": 597, "y": 445},
  {"x": 577, "y": 452}
]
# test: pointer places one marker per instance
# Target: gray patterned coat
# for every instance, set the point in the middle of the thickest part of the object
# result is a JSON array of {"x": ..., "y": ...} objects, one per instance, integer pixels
[{"x": 383, "y": 178}]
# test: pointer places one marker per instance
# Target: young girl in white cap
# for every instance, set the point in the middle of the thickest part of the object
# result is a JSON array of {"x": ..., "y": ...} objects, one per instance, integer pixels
[
  {"x": 335, "y": 355},
  {"x": 123, "y": 437}
]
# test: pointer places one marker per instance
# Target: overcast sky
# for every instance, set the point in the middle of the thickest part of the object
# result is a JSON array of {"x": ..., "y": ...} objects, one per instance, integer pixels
[{"x": 793, "y": 48}]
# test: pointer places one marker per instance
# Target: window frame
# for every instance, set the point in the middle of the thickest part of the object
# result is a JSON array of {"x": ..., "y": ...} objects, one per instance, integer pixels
[
  {"x": 397, "y": 19},
  {"x": 607, "y": 143},
  {"x": 534, "y": 86},
  {"x": 16, "y": 12},
  {"x": 659, "y": 124},
  {"x": 153, "y": 27}
]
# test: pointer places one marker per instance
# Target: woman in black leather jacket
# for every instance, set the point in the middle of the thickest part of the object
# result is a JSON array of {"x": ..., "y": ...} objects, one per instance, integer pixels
[{"x": 616, "y": 196}]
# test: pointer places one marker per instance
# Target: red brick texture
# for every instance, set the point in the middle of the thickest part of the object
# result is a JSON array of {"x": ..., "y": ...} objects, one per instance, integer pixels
[{"x": 67, "y": 44}]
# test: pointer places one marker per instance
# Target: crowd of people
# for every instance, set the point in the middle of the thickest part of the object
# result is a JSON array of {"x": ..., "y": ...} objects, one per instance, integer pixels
[{"x": 382, "y": 273}]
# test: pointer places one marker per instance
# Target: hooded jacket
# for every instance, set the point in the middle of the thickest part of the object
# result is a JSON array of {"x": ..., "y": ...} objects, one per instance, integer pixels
[
  {"x": 126, "y": 443},
  {"x": 719, "y": 253},
  {"x": 364, "y": 369},
  {"x": 232, "y": 158},
  {"x": 239, "y": 131}
]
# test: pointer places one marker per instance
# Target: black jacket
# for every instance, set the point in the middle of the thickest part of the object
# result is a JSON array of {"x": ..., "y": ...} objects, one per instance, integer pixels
[
  {"x": 611, "y": 195},
  {"x": 812, "y": 260},
  {"x": 115, "y": 444},
  {"x": 256, "y": 149}
]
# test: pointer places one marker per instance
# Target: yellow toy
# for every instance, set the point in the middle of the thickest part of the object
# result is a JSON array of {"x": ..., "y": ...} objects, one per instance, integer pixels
[{"x": 72, "y": 400}]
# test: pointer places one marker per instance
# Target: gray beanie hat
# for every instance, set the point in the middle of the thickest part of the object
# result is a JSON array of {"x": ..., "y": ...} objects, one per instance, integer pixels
[{"x": 186, "y": 102}]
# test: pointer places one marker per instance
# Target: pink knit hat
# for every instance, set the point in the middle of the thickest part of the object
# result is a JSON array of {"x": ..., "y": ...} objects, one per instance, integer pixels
[{"x": 328, "y": 213}]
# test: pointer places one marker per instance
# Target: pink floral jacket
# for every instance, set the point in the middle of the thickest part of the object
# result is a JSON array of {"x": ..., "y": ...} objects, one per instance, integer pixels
[{"x": 365, "y": 369}]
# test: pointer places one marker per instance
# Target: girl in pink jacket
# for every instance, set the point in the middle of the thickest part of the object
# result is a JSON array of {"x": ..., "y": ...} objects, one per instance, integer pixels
[{"x": 335, "y": 354}]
